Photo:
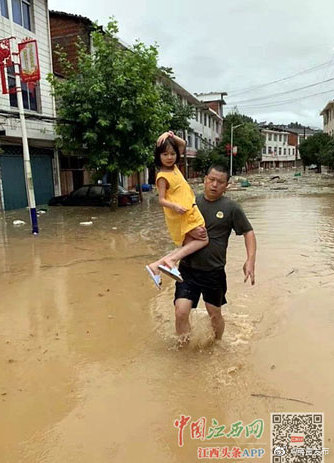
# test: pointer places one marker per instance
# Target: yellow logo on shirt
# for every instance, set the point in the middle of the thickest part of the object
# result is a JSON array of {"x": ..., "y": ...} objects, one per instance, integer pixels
[{"x": 220, "y": 214}]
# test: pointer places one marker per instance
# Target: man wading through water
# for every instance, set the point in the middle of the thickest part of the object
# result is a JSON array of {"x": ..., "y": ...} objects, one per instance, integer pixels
[{"x": 204, "y": 271}]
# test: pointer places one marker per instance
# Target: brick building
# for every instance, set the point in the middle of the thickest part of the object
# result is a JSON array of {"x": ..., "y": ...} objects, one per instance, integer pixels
[{"x": 65, "y": 30}]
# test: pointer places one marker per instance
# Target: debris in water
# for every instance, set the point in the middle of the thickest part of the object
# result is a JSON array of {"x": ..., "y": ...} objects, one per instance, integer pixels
[
  {"x": 86, "y": 224},
  {"x": 290, "y": 273},
  {"x": 17, "y": 223},
  {"x": 232, "y": 370}
]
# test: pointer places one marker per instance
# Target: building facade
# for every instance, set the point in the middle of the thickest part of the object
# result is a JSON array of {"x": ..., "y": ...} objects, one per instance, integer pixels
[
  {"x": 206, "y": 126},
  {"x": 328, "y": 118},
  {"x": 280, "y": 149},
  {"x": 31, "y": 20},
  {"x": 65, "y": 30}
]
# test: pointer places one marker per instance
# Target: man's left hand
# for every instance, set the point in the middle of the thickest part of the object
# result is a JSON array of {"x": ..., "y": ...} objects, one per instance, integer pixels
[{"x": 249, "y": 271}]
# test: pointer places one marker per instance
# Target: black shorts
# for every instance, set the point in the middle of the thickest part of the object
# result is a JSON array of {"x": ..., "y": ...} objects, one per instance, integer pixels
[{"x": 211, "y": 284}]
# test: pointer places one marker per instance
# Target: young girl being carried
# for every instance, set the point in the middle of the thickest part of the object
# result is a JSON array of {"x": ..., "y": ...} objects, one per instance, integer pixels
[{"x": 178, "y": 200}]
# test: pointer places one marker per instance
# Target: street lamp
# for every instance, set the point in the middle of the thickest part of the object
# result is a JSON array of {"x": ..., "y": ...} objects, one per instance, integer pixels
[{"x": 231, "y": 158}]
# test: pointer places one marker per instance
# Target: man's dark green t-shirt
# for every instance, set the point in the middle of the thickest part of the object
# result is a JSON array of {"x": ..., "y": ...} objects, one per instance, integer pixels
[{"x": 221, "y": 217}]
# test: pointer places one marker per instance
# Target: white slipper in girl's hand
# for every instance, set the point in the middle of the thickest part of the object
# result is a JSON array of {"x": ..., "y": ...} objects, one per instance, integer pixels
[
  {"x": 155, "y": 278},
  {"x": 171, "y": 272}
]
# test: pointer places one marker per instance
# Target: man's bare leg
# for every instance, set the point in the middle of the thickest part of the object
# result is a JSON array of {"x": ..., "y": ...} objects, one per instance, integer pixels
[
  {"x": 217, "y": 320},
  {"x": 182, "y": 324}
]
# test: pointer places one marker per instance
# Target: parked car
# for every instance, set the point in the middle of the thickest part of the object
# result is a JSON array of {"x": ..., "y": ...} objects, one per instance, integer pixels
[{"x": 95, "y": 195}]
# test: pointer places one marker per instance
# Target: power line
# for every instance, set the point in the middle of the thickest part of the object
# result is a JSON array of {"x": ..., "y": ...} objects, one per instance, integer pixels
[
  {"x": 281, "y": 93},
  {"x": 285, "y": 101},
  {"x": 255, "y": 87}
]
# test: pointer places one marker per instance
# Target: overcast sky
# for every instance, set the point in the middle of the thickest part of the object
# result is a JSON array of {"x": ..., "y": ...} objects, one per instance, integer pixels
[{"x": 220, "y": 45}]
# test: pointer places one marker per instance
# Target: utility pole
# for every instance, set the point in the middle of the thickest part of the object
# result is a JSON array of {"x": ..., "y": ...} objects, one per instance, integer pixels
[
  {"x": 26, "y": 154},
  {"x": 231, "y": 155}
]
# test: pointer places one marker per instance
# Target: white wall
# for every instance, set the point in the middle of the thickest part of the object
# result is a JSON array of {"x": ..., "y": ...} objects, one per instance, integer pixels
[
  {"x": 280, "y": 149},
  {"x": 36, "y": 129},
  {"x": 329, "y": 120}
]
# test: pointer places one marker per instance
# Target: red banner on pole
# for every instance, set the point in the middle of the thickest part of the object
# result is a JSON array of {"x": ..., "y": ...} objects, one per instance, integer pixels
[
  {"x": 29, "y": 62},
  {"x": 5, "y": 60}
]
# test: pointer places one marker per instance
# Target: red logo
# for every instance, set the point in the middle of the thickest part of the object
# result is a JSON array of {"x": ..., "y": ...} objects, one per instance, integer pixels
[{"x": 297, "y": 438}]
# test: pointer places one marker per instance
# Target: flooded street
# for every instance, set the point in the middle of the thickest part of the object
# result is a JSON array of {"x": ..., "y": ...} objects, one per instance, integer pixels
[{"x": 89, "y": 366}]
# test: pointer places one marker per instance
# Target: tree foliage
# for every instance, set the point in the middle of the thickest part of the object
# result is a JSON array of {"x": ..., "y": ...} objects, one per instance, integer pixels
[
  {"x": 179, "y": 113},
  {"x": 109, "y": 105},
  {"x": 316, "y": 150},
  {"x": 247, "y": 137},
  {"x": 205, "y": 158},
  {"x": 328, "y": 154}
]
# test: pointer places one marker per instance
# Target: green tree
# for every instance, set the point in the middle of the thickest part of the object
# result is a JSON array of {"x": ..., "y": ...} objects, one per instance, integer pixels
[
  {"x": 328, "y": 154},
  {"x": 110, "y": 106},
  {"x": 179, "y": 113},
  {"x": 313, "y": 150},
  {"x": 206, "y": 157},
  {"x": 247, "y": 137}
]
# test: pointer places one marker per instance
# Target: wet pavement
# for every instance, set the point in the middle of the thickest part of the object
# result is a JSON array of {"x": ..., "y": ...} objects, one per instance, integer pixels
[{"x": 90, "y": 370}]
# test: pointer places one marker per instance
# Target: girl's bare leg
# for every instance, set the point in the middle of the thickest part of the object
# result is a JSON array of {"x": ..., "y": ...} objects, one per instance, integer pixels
[
  {"x": 190, "y": 245},
  {"x": 154, "y": 266}
]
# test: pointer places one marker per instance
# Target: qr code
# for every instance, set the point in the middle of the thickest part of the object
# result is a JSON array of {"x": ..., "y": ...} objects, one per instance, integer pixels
[{"x": 297, "y": 438}]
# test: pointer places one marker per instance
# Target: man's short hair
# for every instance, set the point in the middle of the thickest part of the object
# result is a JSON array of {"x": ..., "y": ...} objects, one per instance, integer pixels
[{"x": 219, "y": 168}]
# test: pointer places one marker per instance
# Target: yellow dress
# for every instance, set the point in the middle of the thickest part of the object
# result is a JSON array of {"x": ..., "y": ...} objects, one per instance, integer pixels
[{"x": 180, "y": 192}]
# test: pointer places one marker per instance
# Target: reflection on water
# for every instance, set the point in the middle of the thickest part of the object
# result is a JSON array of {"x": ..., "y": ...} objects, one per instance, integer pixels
[{"x": 85, "y": 337}]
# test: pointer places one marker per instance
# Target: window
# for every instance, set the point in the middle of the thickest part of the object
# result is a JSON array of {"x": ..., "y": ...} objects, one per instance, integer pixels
[
  {"x": 196, "y": 115},
  {"x": 29, "y": 95},
  {"x": 280, "y": 137},
  {"x": 201, "y": 117},
  {"x": 189, "y": 140},
  {"x": 21, "y": 13},
  {"x": 205, "y": 116},
  {"x": 289, "y": 151},
  {"x": 269, "y": 136},
  {"x": 284, "y": 151},
  {"x": 269, "y": 150},
  {"x": 196, "y": 141},
  {"x": 264, "y": 150},
  {"x": 279, "y": 151},
  {"x": 4, "y": 8},
  {"x": 275, "y": 149},
  {"x": 275, "y": 137},
  {"x": 209, "y": 119},
  {"x": 95, "y": 192}
]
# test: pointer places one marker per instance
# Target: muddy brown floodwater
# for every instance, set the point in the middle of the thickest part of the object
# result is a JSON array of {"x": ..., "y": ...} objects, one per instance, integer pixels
[{"x": 89, "y": 369}]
